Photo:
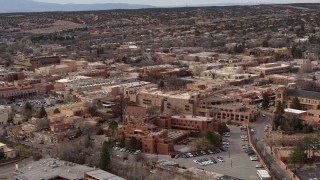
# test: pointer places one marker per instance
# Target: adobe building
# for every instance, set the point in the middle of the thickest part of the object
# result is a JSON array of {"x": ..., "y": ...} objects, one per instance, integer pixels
[
  {"x": 35, "y": 62},
  {"x": 263, "y": 52},
  {"x": 17, "y": 89},
  {"x": 53, "y": 69},
  {"x": 5, "y": 114},
  {"x": 153, "y": 139},
  {"x": 133, "y": 113},
  {"x": 308, "y": 99},
  {"x": 270, "y": 68},
  {"x": 8, "y": 153},
  {"x": 312, "y": 54},
  {"x": 206, "y": 104},
  {"x": 187, "y": 122},
  {"x": 234, "y": 113},
  {"x": 281, "y": 79},
  {"x": 11, "y": 75}
]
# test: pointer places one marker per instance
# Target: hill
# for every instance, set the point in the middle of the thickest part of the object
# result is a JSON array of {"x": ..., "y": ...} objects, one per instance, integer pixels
[{"x": 32, "y": 6}]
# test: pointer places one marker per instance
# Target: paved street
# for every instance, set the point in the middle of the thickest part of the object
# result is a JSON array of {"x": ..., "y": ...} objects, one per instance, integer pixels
[
  {"x": 260, "y": 124},
  {"x": 6, "y": 172}
]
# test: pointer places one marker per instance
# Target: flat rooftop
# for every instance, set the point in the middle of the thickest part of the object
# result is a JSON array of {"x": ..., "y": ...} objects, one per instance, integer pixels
[
  {"x": 52, "y": 168},
  {"x": 192, "y": 118},
  {"x": 72, "y": 79},
  {"x": 294, "y": 111},
  {"x": 103, "y": 175}
]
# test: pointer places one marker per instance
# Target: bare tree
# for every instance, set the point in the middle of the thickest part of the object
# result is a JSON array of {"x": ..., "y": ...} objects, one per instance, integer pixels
[
  {"x": 198, "y": 69},
  {"x": 72, "y": 152},
  {"x": 153, "y": 110},
  {"x": 86, "y": 127},
  {"x": 42, "y": 123},
  {"x": 175, "y": 110},
  {"x": 213, "y": 112},
  {"x": 119, "y": 107},
  {"x": 306, "y": 68}
]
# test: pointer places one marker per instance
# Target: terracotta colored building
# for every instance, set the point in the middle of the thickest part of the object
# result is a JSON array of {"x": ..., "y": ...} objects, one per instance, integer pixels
[
  {"x": 206, "y": 104},
  {"x": 186, "y": 122},
  {"x": 132, "y": 113},
  {"x": 17, "y": 89},
  {"x": 152, "y": 138},
  {"x": 234, "y": 113},
  {"x": 11, "y": 76},
  {"x": 270, "y": 68}
]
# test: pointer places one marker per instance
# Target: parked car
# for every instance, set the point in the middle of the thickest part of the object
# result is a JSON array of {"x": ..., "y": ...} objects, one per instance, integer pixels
[
  {"x": 253, "y": 158},
  {"x": 220, "y": 159},
  {"x": 137, "y": 152},
  {"x": 204, "y": 153},
  {"x": 259, "y": 166},
  {"x": 210, "y": 152},
  {"x": 223, "y": 149}
]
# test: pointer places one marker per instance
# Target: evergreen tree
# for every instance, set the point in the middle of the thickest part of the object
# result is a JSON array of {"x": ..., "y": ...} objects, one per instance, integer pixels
[
  {"x": 42, "y": 112},
  {"x": 296, "y": 104},
  {"x": 27, "y": 107},
  {"x": 122, "y": 142},
  {"x": 296, "y": 52},
  {"x": 298, "y": 154},
  {"x": 213, "y": 138},
  {"x": 161, "y": 84},
  {"x": 105, "y": 161},
  {"x": 223, "y": 128},
  {"x": 113, "y": 127},
  {"x": 171, "y": 148},
  {"x": 138, "y": 145},
  {"x": 297, "y": 124},
  {"x": 27, "y": 110},
  {"x": 265, "y": 43},
  {"x": 277, "y": 118},
  {"x": 56, "y": 111},
  {"x": 132, "y": 144},
  {"x": 265, "y": 101},
  {"x": 2, "y": 155}
]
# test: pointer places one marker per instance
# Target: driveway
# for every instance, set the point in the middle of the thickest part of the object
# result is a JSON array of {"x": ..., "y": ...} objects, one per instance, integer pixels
[{"x": 260, "y": 124}]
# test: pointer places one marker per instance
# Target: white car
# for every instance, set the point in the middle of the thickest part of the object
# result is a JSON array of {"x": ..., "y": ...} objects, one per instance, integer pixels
[
  {"x": 253, "y": 158},
  {"x": 263, "y": 115},
  {"x": 137, "y": 152},
  {"x": 190, "y": 155},
  {"x": 259, "y": 166},
  {"x": 220, "y": 159}
]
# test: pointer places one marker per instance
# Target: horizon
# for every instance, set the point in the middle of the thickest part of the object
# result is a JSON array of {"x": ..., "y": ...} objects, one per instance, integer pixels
[{"x": 169, "y": 3}]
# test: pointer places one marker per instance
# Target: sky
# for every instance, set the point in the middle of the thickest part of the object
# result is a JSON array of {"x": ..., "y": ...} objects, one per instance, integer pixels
[{"x": 175, "y": 2}]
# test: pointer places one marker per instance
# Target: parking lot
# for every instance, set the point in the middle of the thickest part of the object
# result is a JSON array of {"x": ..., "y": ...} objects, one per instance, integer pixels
[{"x": 237, "y": 165}]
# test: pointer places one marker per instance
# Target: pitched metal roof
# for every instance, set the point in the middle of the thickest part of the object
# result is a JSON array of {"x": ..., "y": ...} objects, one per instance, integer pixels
[{"x": 303, "y": 94}]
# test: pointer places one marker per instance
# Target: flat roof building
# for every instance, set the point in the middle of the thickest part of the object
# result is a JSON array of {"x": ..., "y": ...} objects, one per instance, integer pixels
[
  {"x": 101, "y": 175},
  {"x": 52, "y": 169}
]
